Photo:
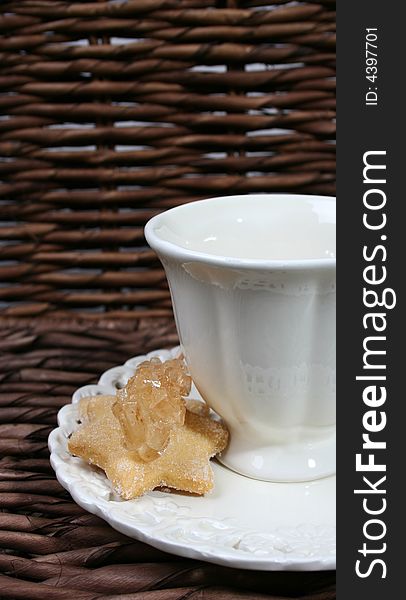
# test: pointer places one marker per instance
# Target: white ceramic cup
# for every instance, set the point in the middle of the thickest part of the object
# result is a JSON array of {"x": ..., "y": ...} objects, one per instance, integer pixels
[{"x": 252, "y": 280}]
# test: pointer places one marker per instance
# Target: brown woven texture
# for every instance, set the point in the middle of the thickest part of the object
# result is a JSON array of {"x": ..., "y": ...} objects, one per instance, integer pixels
[
  {"x": 115, "y": 110},
  {"x": 111, "y": 111},
  {"x": 52, "y": 549}
]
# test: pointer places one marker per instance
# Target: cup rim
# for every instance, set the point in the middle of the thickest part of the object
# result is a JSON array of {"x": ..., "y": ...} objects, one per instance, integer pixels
[{"x": 177, "y": 252}]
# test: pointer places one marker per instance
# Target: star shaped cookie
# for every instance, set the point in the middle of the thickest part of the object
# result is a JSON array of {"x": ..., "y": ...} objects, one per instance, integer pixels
[{"x": 182, "y": 465}]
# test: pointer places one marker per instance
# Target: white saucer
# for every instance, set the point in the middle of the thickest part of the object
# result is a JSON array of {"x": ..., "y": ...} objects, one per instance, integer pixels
[{"x": 244, "y": 523}]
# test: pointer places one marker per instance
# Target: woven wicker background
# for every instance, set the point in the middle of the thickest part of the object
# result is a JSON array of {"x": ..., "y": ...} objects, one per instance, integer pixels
[{"x": 112, "y": 111}]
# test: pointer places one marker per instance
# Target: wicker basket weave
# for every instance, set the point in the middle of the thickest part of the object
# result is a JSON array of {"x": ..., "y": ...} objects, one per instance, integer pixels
[{"x": 115, "y": 110}]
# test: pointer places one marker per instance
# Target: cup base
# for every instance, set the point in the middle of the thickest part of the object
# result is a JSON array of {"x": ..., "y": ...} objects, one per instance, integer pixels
[{"x": 293, "y": 462}]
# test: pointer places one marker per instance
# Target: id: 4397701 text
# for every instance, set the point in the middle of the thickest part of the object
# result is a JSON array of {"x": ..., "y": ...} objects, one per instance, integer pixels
[{"x": 371, "y": 66}]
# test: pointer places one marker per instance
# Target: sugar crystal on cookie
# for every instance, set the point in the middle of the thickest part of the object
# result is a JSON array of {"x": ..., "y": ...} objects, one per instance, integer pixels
[{"x": 151, "y": 404}]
